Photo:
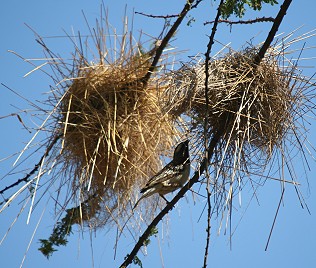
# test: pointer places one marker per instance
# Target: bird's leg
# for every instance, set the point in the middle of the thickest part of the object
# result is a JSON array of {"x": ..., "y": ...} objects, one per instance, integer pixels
[{"x": 164, "y": 198}]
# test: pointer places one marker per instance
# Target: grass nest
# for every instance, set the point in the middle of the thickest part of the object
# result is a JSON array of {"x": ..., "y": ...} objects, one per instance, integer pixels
[
  {"x": 113, "y": 134},
  {"x": 248, "y": 102}
]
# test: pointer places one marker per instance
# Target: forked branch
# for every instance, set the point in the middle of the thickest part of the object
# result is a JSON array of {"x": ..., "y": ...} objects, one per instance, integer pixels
[{"x": 187, "y": 7}]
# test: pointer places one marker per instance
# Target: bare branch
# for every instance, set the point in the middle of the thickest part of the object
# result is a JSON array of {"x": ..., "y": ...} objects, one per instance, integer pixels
[
  {"x": 206, "y": 127},
  {"x": 275, "y": 217},
  {"x": 157, "y": 16},
  {"x": 262, "y": 19},
  {"x": 273, "y": 31},
  {"x": 208, "y": 228}
]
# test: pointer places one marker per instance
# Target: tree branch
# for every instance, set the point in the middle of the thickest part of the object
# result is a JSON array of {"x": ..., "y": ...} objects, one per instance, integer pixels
[
  {"x": 187, "y": 7},
  {"x": 273, "y": 31}
]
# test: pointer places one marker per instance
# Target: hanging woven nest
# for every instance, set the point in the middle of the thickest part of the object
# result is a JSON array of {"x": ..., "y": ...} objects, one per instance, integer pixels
[
  {"x": 248, "y": 101},
  {"x": 113, "y": 134}
]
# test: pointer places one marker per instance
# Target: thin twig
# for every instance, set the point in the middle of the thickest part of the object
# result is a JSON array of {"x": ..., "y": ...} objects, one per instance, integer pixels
[
  {"x": 157, "y": 16},
  {"x": 208, "y": 228},
  {"x": 207, "y": 59},
  {"x": 262, "y": 19},
  {"x": 274, "y": 220},
  {"x": 36, "y": 167}
]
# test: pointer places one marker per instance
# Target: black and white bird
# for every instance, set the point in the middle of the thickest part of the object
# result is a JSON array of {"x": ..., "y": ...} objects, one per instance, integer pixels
[{"x": 172, "y": 177}]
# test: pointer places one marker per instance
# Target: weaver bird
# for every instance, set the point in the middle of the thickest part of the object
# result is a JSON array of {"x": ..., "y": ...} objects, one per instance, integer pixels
[{"x": 172, "y": 177}]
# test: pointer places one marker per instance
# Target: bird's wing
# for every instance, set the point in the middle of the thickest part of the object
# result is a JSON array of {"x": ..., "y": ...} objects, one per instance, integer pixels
[
  {"x": 159, "y": 177},
  {"x": 167, "y": 173}
]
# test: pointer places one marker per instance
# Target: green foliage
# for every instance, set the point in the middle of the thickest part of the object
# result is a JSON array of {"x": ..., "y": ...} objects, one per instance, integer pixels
[
  {"x": 237, "y": 7},
  {"x": 153, "y": 231},
  {"x": 60, "y": 232},
  {"x": 136, "y": 261},
  {"x": 191, "y": 20},
  {"x": 47, "y": 248}
]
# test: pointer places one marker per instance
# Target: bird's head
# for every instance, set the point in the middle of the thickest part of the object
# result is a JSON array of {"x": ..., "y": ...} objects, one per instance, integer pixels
[{"x": 181, "y": 153}]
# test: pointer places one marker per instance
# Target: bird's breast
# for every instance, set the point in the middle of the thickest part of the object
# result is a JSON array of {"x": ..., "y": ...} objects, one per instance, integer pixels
[{"x": 185, "y": 175}]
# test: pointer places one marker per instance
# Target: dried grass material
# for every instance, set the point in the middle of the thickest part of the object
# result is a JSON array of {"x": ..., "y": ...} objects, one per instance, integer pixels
[
  {"x": 181, "y": 90},
  {"x": 114, "y": 132}
]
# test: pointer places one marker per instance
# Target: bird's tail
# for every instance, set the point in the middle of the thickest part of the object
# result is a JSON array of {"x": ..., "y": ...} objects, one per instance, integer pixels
[
  {"x": 146, "y": 192},
  {"x": 137, "y": 203}
]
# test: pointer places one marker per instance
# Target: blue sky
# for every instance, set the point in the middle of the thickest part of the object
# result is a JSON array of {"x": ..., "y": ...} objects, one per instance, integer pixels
[{"x": 182, "y": 245}]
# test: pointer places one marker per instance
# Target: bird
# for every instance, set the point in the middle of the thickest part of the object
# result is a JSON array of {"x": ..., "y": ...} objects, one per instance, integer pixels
[{"x": 172, "y": 177}]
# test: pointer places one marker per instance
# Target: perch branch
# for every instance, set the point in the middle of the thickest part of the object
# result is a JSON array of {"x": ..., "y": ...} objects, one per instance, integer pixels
[
  {"x": 273, "y": 31},
  {"x": 214, "y": 141}
]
